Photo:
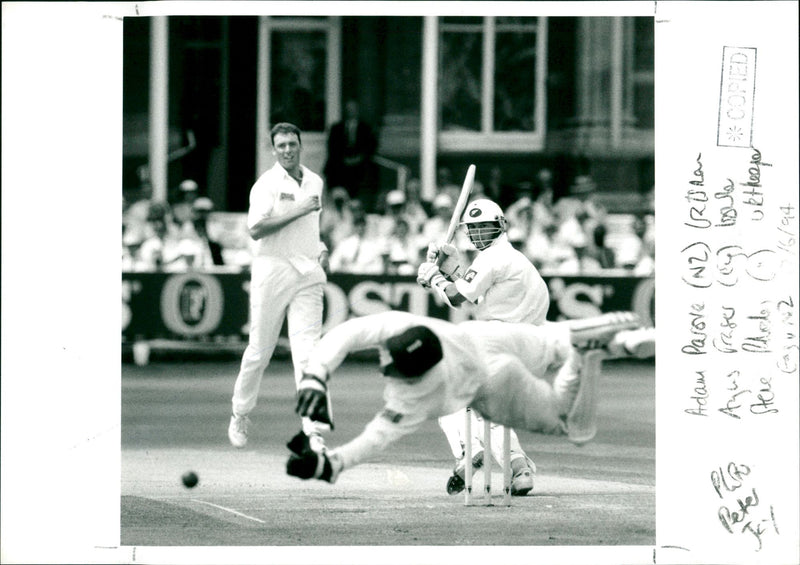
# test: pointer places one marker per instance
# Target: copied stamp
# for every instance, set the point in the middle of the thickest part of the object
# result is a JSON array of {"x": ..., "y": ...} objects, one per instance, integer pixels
[{"x": 736, "y": 97}]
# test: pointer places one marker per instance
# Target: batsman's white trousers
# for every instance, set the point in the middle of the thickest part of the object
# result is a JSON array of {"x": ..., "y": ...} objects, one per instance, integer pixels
[
  {"x": 453, "y": 427},
  {"x": 279, "y": 292}
]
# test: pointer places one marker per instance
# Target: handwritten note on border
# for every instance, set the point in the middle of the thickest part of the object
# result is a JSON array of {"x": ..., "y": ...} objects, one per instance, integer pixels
[{"x": 727, "y": 307}]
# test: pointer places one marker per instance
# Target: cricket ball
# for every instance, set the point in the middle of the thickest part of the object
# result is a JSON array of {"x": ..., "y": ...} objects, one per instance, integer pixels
[{"x": 189, "y": 479}]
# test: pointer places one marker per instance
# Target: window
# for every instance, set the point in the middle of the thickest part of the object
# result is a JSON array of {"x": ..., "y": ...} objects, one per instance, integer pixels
[
  {"x": 298, "y": 79},
  {"x": 491, "y": 83}
]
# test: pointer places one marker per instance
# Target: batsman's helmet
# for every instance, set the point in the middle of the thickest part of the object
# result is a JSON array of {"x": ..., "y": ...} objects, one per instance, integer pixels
[
  {"x": 413, "y": 352},
  {"x": 485, "y": 222}
]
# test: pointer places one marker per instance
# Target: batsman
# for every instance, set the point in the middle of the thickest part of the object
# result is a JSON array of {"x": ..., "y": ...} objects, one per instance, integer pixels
[{"x": 504, "y": 286}]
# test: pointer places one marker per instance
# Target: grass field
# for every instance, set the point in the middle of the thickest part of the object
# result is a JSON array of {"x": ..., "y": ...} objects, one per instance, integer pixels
[{"x": 175, "y": 415}]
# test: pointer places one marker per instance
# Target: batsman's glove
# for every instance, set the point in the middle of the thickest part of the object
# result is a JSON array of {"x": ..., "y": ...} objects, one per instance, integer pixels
[
  {"x": 445, "y": 256},
  {"x": 313, "y": 400},
  {"x": 448, "y": 262},
  {"x": 428, "y": 274},
  {"x": 307, "y": 464}
]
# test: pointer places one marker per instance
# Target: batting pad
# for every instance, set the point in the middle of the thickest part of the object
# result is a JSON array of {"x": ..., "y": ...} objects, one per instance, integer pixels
[{"x": 582, "y": 418}]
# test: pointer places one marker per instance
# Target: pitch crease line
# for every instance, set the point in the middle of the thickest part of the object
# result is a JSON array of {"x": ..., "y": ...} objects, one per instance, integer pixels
[{"x": 231, "y": 510}]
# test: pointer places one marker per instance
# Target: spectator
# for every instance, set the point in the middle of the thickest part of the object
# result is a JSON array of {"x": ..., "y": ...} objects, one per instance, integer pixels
[
  {"x": 135, "y": 211},
  {"x": 521, "y": 230},
  {"x": 582, "y": 199},
  {"x": 550, "y": 252},
  {"x": 161, "y": 249},
  {"x": 631, "y": 249},
  {"x": 646, "y": 266},
  {"x": 580, "y": 263},
  {"x": 435, "y": 228},
  {"x": 404, "y": 250},
  {"x": 358, "y": 253},
  {"x": 182, "y": 212},
  {"x": 537, "y": 247},
  {"x": 336, "y": 218},
  {"x": 522, "y": 205},
  {"x": 351, "y": 145},
  {"x": 131, "y": 243},
  {"x": 395, "y": 210},
  {"x": 445, "y": 184},
  {"x": 203, "y": 251},
  {"x": 569, "y": 232},
  {"x": 544, "y": 191},
  {"x": 603, "y": 254},
  {"x": 644, "y": 229},
  {"x": 417, "y": 210}
]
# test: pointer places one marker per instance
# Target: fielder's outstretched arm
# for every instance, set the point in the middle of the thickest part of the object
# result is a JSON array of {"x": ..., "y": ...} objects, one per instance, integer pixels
[{"x": 353, "y": 335}]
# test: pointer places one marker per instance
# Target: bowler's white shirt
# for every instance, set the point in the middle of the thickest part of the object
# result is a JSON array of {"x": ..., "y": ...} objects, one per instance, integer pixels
[
  {"x": 276, "y": 193},
  {"x": 505, "y": 286}
]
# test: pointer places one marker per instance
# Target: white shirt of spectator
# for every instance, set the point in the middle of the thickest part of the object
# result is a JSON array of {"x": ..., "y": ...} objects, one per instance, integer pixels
[
  {"x": 358, "y": 254},
  {"x": 505, "y": 285},
  {"x": 276, "y": 193}
]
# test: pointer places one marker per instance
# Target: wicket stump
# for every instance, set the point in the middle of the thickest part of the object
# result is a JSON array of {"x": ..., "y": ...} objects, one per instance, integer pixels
[{"x": 487, "y": 462}]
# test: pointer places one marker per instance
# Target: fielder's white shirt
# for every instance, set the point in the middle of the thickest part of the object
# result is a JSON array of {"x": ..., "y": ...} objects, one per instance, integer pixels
[
  {"x": 505, "y": 286},
  {"x": 447, "y": 387},
  {"x": 474, "y": 354},
  {"x": 276, "y": 193}
]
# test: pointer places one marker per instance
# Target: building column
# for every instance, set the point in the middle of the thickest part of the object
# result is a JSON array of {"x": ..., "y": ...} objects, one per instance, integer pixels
[
  {"x": 263, "y": 162},
  {"x": 159, "y": 107},
  {"x": 428, "y": 122}
]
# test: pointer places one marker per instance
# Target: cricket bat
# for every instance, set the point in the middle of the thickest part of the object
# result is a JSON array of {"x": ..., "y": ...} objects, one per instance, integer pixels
[
  {"x": 449, "y": 265},
  {"x": 461, "y": 204},
  {"x": 458, "y": 211}
]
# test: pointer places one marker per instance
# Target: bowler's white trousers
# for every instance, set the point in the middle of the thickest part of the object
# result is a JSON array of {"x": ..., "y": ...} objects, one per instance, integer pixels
[{"x": 279, "y": 292}]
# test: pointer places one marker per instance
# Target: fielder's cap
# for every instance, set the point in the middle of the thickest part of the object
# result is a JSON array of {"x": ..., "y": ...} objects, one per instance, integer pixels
[
  {"x": 395, "y": 197},
  {"x": 413, "y": 352},
  {"x": 188, "y": 185},
  {"x": 443, "y": 201}
]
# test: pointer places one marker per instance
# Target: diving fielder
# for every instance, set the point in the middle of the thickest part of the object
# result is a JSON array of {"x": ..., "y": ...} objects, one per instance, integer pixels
[
  {"x": 433, "y": 368},
  {"x": 505, "y": 286}
]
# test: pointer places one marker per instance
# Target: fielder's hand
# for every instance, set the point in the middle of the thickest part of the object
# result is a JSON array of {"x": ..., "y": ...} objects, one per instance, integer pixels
[
  {"x": 306, "y": 464},
  {"x": 312, "y": 399}
]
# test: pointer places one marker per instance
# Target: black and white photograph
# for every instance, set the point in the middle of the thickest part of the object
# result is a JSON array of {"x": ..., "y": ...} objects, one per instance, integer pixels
[
  {"x": 308, "y": 172},
  {"x": 388, "y": 283}
]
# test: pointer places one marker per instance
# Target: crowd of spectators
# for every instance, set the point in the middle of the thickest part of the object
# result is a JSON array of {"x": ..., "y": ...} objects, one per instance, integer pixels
[
  {"x": 573, "y": 235},
  {"x": 157, "y": 236}
]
